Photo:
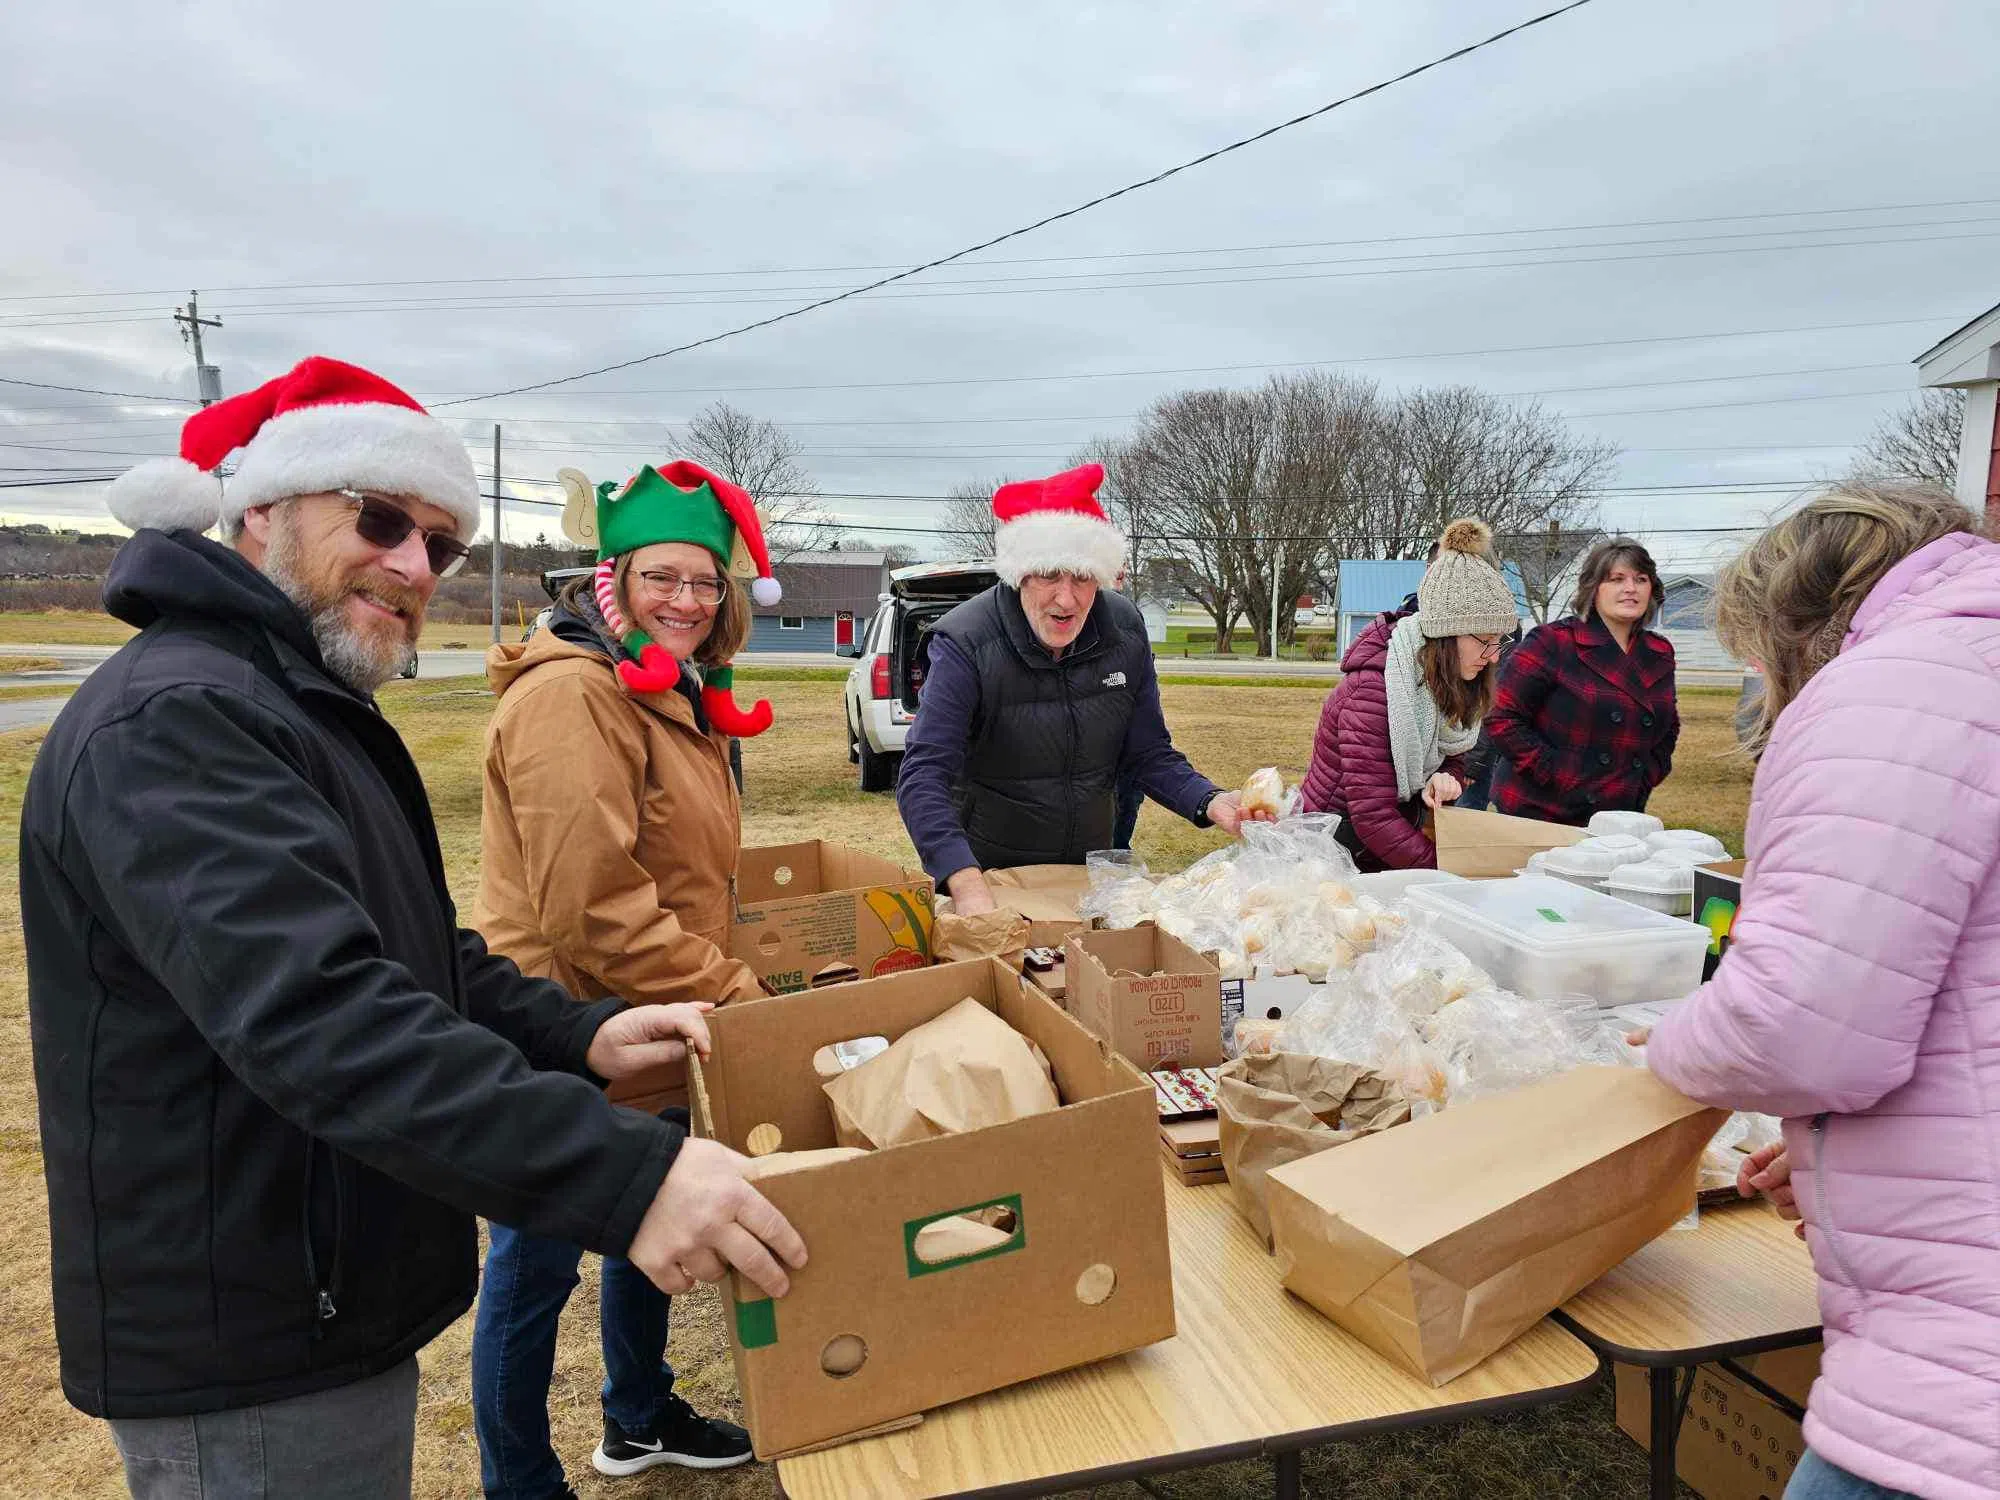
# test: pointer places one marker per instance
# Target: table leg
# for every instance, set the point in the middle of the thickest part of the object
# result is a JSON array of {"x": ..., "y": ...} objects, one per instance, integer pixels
[
  {"x": 1285, "y": 1468},
  {"x": 1664, "y": 1431}
]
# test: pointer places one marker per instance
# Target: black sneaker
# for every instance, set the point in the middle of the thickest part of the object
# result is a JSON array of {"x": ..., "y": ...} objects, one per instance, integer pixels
[{"x": 681, "y": 1436}]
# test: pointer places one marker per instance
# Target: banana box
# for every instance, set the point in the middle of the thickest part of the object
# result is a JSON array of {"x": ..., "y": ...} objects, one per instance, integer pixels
[{"x": 818, "y": 913}]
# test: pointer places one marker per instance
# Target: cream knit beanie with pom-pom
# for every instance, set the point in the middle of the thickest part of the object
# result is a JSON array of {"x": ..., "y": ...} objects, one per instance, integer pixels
[{"x": 1463, "y": 592}]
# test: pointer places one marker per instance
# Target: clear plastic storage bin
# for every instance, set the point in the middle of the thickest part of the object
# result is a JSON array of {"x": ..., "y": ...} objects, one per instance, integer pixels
[
  {"x": 1391, "y": 886},
  {"x": 1545, "y": 938}
]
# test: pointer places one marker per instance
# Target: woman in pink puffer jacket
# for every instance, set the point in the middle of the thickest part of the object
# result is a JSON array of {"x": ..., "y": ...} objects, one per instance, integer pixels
[{"x": 1861, "y": 997}]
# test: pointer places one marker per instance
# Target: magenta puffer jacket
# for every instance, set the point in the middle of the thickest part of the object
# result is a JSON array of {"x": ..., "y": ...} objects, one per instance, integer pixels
[
  {"x": 1352, "y": 772},
  {"x": 1861, "y": 1001}
]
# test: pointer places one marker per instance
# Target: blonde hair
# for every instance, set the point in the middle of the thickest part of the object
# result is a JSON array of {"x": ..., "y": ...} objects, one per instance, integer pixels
[{"x": 1787, "y": 602}]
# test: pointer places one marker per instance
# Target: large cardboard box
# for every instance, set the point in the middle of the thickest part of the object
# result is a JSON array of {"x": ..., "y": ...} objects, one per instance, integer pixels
[
  {"x": 1440, "y": 1241},
  {"x": 1151, "y": 996},
  {"x": 1734, "y": 1443},
  {"x": 1491, "y": 845},
  {"x": 1085, "y": 1275},
  {"x": 820, "y": 911}
]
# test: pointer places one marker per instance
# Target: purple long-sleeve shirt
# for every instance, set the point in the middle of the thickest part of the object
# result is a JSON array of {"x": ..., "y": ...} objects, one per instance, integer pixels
[{"x": 934, "y": 760}]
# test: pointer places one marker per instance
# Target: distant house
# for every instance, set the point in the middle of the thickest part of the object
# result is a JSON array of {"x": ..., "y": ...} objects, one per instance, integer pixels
[
  {"x": 1369, "y": 588},
  {"x": 829, "y": 596},
  {"x": 1688, "y": 620}
]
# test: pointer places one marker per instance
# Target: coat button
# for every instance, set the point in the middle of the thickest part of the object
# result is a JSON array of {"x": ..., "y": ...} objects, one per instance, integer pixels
[
  {"x": 1638, "y": 764},
  {"x": 1618, "y": 716},
  {"x": 1646, "y": 721},
  {"x": 1604, "y": 757}
]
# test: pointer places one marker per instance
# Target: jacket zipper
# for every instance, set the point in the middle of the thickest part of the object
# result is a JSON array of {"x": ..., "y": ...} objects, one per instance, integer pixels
[
  {"x": 322, "y": 1292},
  {"x": 1069, "y": 790},
  {"x": 1828, "y": 1230}
]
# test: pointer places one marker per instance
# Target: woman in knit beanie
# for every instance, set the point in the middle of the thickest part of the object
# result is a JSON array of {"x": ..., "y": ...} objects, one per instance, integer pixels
[{"x": 1393, "y": 736}]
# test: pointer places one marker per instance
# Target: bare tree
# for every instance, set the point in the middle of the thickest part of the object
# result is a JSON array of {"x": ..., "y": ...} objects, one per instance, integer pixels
[
  {"x": 1918, "y": 442},
  {"x": 765, "y": 459},
  {"x": 965, "y": 527},
  {"x": 1547, "y": 559}
]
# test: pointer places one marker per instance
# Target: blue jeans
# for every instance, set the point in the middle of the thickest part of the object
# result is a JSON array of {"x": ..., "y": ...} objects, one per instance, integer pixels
[
  {"x": 1816, "y": 1479},
  {"x": 527, "y": 1281}
]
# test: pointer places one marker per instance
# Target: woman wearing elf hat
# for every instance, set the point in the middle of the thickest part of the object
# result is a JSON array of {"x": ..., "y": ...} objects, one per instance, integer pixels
[{"x": 610, "y": 834}]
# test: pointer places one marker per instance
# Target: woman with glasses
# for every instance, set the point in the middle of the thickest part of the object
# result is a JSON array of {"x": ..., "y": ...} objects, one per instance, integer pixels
[
  {"x": 1586, "y": 720},
  {"x": 610, "y": 836},
  {"x": 1393, "y": 736}
]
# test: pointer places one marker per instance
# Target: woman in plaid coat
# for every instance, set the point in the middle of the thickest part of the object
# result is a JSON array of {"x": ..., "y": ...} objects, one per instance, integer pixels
[{"x": 1586, "y": 719}]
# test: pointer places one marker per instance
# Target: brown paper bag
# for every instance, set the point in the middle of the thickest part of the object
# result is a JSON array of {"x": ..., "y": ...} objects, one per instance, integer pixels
[
  {"x": 1490, "y": 845},
  {"x": 1041, "y": 893},
  {"x": 1277, "y": 1107},
  {"x": 1439, "y": 1242},
  {"x": 965, "y": 1070},
  {"x": 1000, "y": 934}
]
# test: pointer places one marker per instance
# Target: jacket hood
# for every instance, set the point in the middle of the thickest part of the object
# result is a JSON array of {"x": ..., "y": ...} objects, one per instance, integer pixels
[
  {"x": 507, "y": 664},
  {"x": 1371, "y": 647},
  {"x": 1955, "y": 577},
  {"x": 162, "y": 574}
]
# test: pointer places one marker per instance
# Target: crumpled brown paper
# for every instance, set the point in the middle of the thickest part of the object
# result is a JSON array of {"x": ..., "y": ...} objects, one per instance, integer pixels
[
  {"x": 1000, "y": 934},
  {"x": 1277, "y": 1107},
  {"x": 964, "y": 1070}
]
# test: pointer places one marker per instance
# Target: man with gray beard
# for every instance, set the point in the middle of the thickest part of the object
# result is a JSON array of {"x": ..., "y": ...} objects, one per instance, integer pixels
[{"x": 276, "y": 1079}]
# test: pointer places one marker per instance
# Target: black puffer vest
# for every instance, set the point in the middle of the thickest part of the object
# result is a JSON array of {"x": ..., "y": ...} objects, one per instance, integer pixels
[{"x": 1041, "y": 761}]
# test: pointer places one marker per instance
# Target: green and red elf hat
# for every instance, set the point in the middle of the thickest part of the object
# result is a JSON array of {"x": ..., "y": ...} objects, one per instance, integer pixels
[{"x": 681, "y": 502}]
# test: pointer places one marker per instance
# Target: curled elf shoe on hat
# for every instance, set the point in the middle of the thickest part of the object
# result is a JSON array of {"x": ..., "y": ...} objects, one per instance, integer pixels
[{"x": 682, "y": 502}]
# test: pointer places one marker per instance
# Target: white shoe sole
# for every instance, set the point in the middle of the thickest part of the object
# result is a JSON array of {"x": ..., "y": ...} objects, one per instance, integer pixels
[{"x": 624, "y": 1468}]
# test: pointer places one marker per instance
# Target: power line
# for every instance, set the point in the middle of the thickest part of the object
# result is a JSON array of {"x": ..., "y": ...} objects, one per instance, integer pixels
[
  {"x": 1042, "y": 223},
  {"x": 86, "y": 390},
  {"x": 309, "y": 286},
  {"x": 1352, "y": 359}
]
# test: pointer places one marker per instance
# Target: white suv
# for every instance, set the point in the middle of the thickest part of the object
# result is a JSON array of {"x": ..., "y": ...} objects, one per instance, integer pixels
[{"x": 882, "y": 689}]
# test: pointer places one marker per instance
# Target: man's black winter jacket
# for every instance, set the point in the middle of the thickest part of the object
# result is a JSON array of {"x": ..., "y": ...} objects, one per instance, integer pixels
[{"x": 276, "y": 1079}]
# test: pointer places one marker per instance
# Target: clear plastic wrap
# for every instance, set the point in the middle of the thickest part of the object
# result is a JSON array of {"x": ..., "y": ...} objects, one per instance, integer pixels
[
  {"x": 1119, "y": 900},
  {"x": 1264, "y": 792},
  {"x": 1493, "y": 1041}
]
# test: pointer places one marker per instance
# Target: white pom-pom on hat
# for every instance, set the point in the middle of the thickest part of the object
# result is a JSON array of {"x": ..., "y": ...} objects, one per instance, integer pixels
[
  {"x": 767, "y": 591},
  {"x": 166, "y": 493}
]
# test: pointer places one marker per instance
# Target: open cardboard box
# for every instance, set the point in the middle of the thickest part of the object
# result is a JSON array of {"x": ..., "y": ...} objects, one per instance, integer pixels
[
  {"x": 1085, "y": 1275},
  {"x": 1152, "y": 1022},
  {"x": 818, "y": 912},
  {"x": 1735, "y": 1443}
]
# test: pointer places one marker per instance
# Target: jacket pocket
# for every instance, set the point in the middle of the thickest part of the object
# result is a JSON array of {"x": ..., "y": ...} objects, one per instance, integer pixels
[
  {"x": 1829, "y": 1230},
  {"x": 322, "y": 1267}
]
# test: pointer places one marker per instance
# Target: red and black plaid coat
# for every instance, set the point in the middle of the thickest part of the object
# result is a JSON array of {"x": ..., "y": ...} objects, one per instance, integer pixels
[{"x": 1582, "y": 726}]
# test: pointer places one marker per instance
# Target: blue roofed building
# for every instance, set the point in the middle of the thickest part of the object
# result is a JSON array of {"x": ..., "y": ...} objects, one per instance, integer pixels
[{"x": 1369, "y": 588}]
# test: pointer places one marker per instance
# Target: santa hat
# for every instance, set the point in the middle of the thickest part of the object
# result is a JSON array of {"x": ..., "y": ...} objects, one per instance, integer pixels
[
  {"x": 1055, "y": 525},
  {"x": 322, "y": 426},
  {"x": 681, "y": 502}
]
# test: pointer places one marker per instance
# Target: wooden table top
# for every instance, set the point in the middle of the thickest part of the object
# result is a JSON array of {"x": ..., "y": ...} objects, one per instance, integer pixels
[
  {"x": 1252, "y": 1370},
  {"x": 1739, "y": 1283}
]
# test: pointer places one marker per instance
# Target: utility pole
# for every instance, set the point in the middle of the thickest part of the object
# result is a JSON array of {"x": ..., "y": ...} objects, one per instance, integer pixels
[
  {"x": 1277, "y": 576},
  {"x": 496, "y": 533},
  {"x": 208, "y": 379}
]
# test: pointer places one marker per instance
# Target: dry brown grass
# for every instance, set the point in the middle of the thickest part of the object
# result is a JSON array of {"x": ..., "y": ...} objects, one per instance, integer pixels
[{"x": 799, "y": 786}]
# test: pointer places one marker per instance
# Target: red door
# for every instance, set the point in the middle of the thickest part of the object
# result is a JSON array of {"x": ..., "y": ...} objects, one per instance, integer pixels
[{"x": 843, "y": 628}]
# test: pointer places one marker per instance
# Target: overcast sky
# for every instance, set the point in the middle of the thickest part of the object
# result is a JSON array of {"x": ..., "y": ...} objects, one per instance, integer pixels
[{"x": 1839, "y": 158}]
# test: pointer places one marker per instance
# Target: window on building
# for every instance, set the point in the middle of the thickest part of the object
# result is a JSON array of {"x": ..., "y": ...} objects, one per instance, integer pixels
[{"x": 791, "y": 622}]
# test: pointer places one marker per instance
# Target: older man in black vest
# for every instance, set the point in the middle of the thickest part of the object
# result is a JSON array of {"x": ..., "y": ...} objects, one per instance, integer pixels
[{"x": 1039, "y": 694}]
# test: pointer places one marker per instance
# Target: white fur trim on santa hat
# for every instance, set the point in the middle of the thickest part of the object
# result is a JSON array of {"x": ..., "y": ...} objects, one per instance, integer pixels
[
  {"x": 166, "y": 493},
  {"x": 1058, "y": 542},
  {"x": 356, "y": 445}
]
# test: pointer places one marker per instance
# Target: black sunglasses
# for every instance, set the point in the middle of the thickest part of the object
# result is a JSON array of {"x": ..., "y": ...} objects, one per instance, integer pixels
[{"x": 381, "y": 524}]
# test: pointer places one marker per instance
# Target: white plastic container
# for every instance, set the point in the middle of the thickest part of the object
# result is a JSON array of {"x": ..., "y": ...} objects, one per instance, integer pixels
[
  {"x": 1391, "y": 886},
  {"x": 1635, "y": 825},
  {"x": 1544, "y": 938},
  {"x": 1664, "y": 883},
  {"x": 1586, "y": 864},
  {"x": 1707, "y": 849}
]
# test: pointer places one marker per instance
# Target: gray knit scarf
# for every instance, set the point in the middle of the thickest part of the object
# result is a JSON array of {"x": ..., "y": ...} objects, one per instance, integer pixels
[{"x": 1421, "y": 738}]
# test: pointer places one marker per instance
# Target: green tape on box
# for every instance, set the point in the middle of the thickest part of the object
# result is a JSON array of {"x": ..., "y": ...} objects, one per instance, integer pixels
[
  {"x": 911, "y": 1229},
  {"x": 757, "y": 1323}
]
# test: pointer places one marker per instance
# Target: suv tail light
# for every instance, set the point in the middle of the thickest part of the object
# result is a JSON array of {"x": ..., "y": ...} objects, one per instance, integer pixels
[{"x": 878, "y": 677}]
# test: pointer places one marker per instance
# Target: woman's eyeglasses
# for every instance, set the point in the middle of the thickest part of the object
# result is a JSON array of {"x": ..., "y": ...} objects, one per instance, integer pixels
[
  {"x": 668, "y": 586},
  {"x": 1489, "y": 645},
  {"x": 381, "y": 524}
]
